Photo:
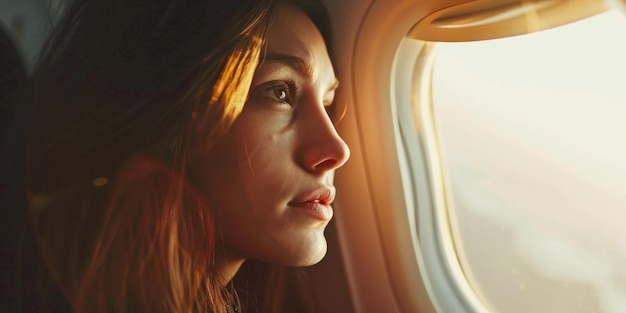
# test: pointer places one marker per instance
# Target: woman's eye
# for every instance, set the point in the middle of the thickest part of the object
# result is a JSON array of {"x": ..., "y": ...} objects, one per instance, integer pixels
[{"x": 282, "y": 92}]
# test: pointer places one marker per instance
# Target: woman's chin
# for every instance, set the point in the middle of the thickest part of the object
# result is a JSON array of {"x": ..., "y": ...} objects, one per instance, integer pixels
[{"x": 312, "y": 257}]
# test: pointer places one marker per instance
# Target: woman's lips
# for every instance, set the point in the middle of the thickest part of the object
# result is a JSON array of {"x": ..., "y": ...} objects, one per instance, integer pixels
[
  {"x": 317, "y": 210},
  {"x": 316, "y": 203}
]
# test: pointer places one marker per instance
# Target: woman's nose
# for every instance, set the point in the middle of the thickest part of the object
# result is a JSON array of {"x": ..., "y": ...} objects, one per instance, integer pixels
[{"x": 322, "y": 148}]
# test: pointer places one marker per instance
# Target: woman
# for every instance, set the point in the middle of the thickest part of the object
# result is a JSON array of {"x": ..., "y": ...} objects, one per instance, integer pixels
[{"x": 171, "y": 141}]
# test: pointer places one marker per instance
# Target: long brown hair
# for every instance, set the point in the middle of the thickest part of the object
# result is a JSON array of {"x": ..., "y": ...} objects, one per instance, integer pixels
[{"x": 122, "y": 92}]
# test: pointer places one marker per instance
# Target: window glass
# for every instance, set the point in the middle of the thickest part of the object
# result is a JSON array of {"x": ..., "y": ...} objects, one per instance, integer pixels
[{"x": 532, "y": 132}]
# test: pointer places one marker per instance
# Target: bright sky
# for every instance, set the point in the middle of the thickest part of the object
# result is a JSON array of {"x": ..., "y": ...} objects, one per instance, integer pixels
[{"x": 533, "y": 132}]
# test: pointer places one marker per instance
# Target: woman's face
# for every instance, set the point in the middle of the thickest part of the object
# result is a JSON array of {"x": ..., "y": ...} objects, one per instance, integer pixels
[{"x": 271, "y": 179}]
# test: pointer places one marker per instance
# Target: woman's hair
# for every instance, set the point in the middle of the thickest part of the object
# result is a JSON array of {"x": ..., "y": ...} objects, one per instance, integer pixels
[{"x": 123, "y": 92}]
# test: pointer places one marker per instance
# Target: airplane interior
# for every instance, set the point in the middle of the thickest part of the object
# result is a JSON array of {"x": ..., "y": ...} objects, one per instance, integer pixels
[{"x": 488, "y": 161}]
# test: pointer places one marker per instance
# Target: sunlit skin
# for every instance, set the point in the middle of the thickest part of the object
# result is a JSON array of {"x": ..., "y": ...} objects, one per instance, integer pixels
[{"x": 270, "y": 180}]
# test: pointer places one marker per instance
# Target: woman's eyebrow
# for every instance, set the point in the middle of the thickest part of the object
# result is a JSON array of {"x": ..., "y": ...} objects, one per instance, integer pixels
[
  {"x": 301, "y": 66},
  {"x": 298, "y": 64}
]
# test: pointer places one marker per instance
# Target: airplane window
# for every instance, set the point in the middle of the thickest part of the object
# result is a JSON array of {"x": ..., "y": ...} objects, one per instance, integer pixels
[{"x": 532, "y": 141}]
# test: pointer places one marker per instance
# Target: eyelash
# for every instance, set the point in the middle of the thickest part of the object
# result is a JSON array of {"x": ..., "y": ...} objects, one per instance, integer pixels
[{"x": 289, "y": 88}]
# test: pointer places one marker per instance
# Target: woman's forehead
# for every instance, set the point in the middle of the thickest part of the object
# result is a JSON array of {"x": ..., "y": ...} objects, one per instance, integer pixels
[
  {"x": 292, "y": 33},
  {"x": 291, "y": 29}
]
